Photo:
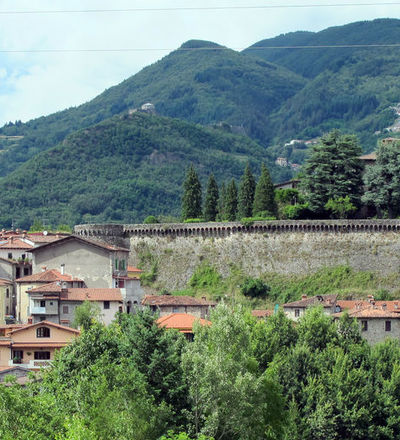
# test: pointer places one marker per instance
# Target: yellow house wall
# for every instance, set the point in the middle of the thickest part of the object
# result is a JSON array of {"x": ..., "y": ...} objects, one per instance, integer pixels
[{"x": 4, "y": 356}]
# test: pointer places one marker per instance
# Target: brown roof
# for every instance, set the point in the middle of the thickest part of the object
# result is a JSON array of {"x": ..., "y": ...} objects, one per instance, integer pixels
[
  {"x": 392, "y": 306},
  {"x": 181, "y": 321},
  {"x": 324, "y": 300},
  {"x": 134, "y": 269},
  {"x": 262, "y": 313},
  {"x": 98, "y": 244},
  {"x": 170, "y": 300},
  {"x": 371, "y": 311},
  {"x": 47, "y": 276},
  {"x": 48, "y": 323},
  {"x": 93, "y": 294},
  {"x": 15, "y": 243},
  {"x": 47, "y": 288}
]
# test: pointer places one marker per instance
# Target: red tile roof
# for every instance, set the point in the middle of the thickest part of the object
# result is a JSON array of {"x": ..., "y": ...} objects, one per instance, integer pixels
[
  {"x": 170, "y": 300},
  {"x": 85, "y": 294},
  {"x": 371, "y": 312},
  {"x": 4, "y": 282},
  {"x": 48, "y": 276},
  {"x": 134, "y": 269},
  {"x": 15, "y": 243},
  {"x": 98, "y": 244},
  {"x": 392, "y": 306},
  {"x": 181, "y": 321}
]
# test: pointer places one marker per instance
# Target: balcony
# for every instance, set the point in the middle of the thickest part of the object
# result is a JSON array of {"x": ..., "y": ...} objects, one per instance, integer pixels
[{"x": 38, "y": 311}]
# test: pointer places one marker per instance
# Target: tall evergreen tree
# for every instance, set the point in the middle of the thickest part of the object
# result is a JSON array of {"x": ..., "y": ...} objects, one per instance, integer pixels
[
  {"x": 211, "y": 201},
  {"x": 333, "y": 171},
  {"x": 192, "y": 196},
  {"x": 382, "y": 180},
  {"x": 246, "y": 193},
  {"x": 264, "y": 196},
  {"x": 231, "y": 201},
  {"x": 221, "y": 203}
]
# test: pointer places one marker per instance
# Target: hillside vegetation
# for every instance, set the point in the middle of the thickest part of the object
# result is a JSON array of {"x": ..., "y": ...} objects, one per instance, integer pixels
[
  {"x": 207, "y": 85},
  {"x": 123, "y": 169}
]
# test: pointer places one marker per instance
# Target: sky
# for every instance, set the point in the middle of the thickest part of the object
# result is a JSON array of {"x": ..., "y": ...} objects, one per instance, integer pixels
[{"x": 77, "y": 66}]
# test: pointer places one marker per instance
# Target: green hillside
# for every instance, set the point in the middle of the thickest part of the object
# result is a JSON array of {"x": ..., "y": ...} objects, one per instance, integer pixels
[
  {"x": 352, "y": 89},
  {"x": 123, "y": 169},
  {"x": 202, "y": 83}
]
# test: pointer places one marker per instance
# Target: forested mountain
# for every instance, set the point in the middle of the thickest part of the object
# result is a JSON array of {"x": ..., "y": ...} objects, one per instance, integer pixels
[
  {"x": 202, "y": 82},
  {"x": 123, "y": 169},
  {"x": 351, "y": 88}
]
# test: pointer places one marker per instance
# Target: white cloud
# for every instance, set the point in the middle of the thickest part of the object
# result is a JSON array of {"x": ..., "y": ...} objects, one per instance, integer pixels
[{"x": 32, "y": 85}]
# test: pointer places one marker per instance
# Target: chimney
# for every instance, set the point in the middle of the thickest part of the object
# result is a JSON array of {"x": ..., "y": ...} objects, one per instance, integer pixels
[
  {"x": 384, "y": 306},
  {"x": 63, "y": 269},
  {"x": 371, "y": 298},
  {"x": 204, "y": 298},
  {"x": 303, "y": 297},
  {"x": 44, "y": 268}
]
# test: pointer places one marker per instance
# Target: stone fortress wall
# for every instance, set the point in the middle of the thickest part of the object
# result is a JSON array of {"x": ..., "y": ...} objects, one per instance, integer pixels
[{"x": 291, "y": 247}]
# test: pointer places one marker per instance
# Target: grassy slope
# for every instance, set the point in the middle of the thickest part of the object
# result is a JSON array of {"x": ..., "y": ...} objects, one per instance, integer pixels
[{"x": 122, "y": 169}]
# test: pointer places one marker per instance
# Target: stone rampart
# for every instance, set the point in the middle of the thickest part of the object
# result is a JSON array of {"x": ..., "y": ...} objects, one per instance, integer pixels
[{"x": 291, "y": 247}]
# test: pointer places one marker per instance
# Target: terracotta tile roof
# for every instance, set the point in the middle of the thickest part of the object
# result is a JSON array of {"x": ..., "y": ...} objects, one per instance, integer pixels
[
  {"x": 134, "y": 269},
  {"x": 181, "y": 321},
  {"x": 98, "y": 244},
  {"x": 324, "y": 300},
  {"x": 48, "y": 276},
  {"x": 371, "y": 312},
  {"x": 48, "y": 323},
  {"x": 170, "y": 300},
  {"x": 47, "y": 288},
  {"x": 262, "y": 313},
  {"x": 93, "y": 294},
  {"x": 39, "y": 238},
  {"x": 15, "y": 243},
  {"x": 392, "y": 306}
]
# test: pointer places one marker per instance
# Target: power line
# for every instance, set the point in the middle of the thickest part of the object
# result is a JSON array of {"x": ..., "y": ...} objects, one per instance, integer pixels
[
  {"x": 198, "y": 8},
  {"x": 191, "y": 49}
]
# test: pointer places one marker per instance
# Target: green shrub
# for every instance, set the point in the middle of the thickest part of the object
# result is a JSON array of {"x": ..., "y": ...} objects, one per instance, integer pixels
[
  {"x": 205, "y": 276},
  {"x": 193, "y": 220},
  {"x": 295, "y": 212},
  {"x": 254, "y": 287},
  {"x": 150, "y": 219}
]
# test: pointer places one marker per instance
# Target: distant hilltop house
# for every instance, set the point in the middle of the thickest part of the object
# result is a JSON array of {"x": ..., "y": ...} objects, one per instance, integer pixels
[
  {"x": 377, "y": 320},
  {"x": 148, "y": 107}
]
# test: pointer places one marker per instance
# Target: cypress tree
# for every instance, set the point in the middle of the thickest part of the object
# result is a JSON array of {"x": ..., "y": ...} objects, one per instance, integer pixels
[
  {"x": 264, "y": 197},
  {"x": 211, "y": 201},
  {"x": 246, "y": 193},
  {"x": 221, "y": 203},
  {"x": 191, "y": 199},
  {"x": 231, "y": 201}
]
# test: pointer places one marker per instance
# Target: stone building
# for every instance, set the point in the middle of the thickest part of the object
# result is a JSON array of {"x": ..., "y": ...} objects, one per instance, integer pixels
[
  {"x": 295, "y": 310},
  {"x": 55, "y": 302},
  {"x": 168, "y": 304}
]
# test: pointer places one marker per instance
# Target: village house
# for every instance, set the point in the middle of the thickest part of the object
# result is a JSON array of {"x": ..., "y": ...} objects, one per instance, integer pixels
[
  {"x": 6, "y": 300},
  {"x": 296, "y": 309},
  {"x": 183, "y": 322},
  {"x": 262, "y": 313},
  {"x": 33, "y": 346},
  {"x": 55, "y": 302},
  {"x": 168, "y": 304},
  {"x": 45, "y": 276}
]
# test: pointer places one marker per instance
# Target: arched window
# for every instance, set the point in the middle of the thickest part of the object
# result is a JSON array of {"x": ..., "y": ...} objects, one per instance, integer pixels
[{"x": 43, "y": 332}]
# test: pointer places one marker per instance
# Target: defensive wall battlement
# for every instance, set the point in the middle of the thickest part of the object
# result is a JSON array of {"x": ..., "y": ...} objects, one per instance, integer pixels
[
  {"x": 216, "y": 229},
  {"x": 286, "y": 247}
]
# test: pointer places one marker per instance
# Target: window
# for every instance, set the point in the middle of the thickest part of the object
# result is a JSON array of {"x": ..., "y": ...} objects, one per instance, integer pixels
[
  {"x": 296, "y": 313},
  {"x": 26, "y": 270},
  {"x": 18, "y": 356},
  {"x": 10, "y": 256},
  {"x": 7, "y": 310},
  {"x": 388, "y": 326},
  {"x": 23, "y": 256},
  {"x": 42, "y": 303},
  {"x": 121, "y": 283},
  {"x": 17, "y": 272},
  {"x": 364, "y": 326},
  {"x": 43, "y": 332},
  {"x": 116, "y": 264},
  {"x": 106, "y": 304},
  {"x": 65, "y": 309},
  {"x": 7, "y": 293},
  {"x": 42, "y": 355}
]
